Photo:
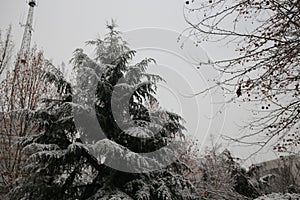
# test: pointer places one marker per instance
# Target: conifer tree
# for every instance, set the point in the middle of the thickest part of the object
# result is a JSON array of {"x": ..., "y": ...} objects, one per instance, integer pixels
[{"x": 99, "y": 164}]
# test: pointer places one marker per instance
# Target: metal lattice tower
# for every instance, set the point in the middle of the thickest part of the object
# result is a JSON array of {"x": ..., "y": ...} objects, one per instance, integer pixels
[{"x": 25, "y": 45}]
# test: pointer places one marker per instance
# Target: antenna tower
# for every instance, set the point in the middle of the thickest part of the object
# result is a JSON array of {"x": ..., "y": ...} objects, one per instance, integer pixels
[{"x": 25, "y": 45}]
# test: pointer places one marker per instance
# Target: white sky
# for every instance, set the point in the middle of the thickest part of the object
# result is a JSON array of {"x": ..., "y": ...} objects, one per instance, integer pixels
[
  {"x": 66, "y": 25},
  {"x": 61, "y": 26}
]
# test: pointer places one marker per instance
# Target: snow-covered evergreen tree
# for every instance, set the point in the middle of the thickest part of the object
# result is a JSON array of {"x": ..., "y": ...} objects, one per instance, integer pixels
[
  {"x": 215, "y": 173},
  {"x": 115, "y": 93}
]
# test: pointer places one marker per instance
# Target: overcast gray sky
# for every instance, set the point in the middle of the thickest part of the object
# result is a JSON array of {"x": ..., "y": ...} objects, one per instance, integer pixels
[{"x": 61, "y": 26}]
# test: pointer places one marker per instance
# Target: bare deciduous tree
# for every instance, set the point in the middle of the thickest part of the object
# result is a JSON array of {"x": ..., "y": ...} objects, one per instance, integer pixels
[
  {"x": 265, "y": 70},
  {"x": 21, "y": 90},
  {"x": 6, "y": 47}
]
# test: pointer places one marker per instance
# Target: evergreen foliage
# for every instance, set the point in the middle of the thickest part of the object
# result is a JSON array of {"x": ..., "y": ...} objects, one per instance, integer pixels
[{"x": 62, "y": 167}]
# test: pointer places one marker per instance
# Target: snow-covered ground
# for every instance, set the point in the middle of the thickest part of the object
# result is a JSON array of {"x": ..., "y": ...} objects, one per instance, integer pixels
[{"x": 279, "y": 196}]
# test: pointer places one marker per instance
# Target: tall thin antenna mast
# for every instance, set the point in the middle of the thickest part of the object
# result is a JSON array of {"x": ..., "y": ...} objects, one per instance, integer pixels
[{"x": 25, "y": 45}]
